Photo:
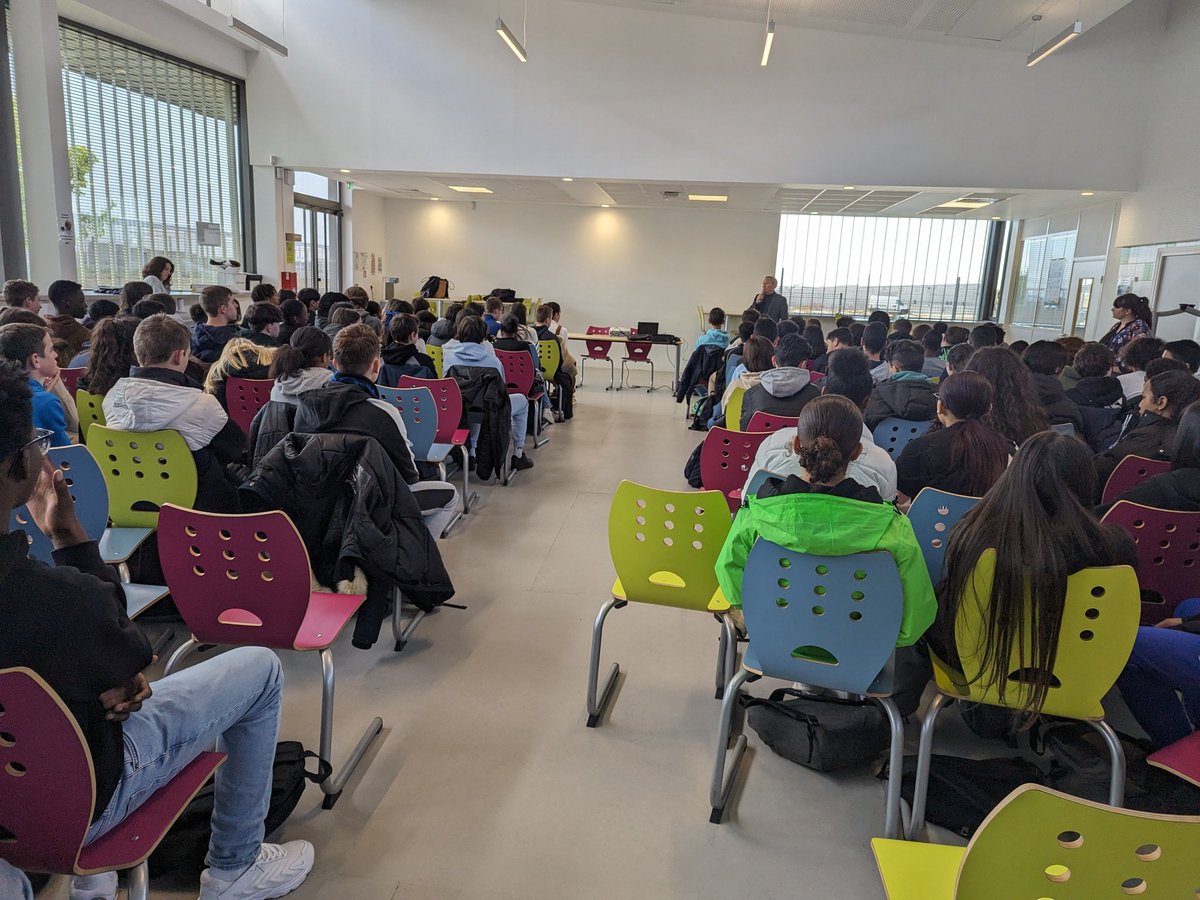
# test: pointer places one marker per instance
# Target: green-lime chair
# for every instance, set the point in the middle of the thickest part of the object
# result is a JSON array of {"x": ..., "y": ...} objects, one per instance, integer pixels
[
  {"x": 435, "y": 353},
  {"x": 664, "y": 547},
  {"x": 91, "y": 412},
  {"x": 733, "y": 412},
  {"x": 1099, "y": 624},
  {"x": 1039, "y": 843},
  {"x": 550, "y": 357}
]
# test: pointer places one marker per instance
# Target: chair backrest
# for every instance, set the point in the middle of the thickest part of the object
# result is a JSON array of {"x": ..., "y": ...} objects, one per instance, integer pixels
[
  {"x": 664, "y": 544},
  {"x": 598, "y": 349},
  {"x": 758, "y": 480},
  {"x": 764, "y": 421},
  {"x": 1062, "y": 427},
  {"x": 732, "y": 363},
  {"x": 419, "y": 413},
  {"x": 893, "y": 434},
  {"x": 83, "y": 477},
  {"x": 1129, "y": 473},
  {"x": 1168, "y": 545},
  {"x": 91, "y": 412},
  {"x": 598, "y": 329},
  {"x": 436, "y": 354},
  {"x": 932, "y": 514},
  {"x": 638, "y": 351},
  {"x": 830, "y": 621},
  {"x": 518, "y": 370},
  {"x": 447, "y": 397},
  {"x": 244, "y": 397},
  {"x": 1099, "y": 623},
  {"x": 550, "y": 355},
  {"x": 46, "y": 770},
  {"x": 143, "y": 470},
  {"x": 726, "y": 458},
  {"x": 733, "y": 409},
  {"x": 237, "y": 579},
  {"x": 816, "y": 377},
  {"x": 1042, "y": 843},
  {"x": 70, "y": 378}
]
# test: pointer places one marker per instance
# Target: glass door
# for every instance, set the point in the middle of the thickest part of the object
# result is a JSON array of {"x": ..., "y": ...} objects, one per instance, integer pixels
[{"x": 318, "y": 252}]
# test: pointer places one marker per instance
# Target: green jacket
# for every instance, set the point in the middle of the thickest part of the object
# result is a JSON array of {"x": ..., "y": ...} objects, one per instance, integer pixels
[{"x": 832, "y": 526}]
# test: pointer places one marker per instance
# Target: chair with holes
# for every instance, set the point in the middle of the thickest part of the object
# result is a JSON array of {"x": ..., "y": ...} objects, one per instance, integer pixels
[
  {"x": 757, "y": 480},
  {"x": 637, "y": 351},
  {"x": 733, "y": 409},
  {"x": 436, "y": 354},
  {"x": 49, "y": 791},
  {"x": 1129, "y": 473},
  {"x": 1168, "y": 546},
  {"x": 598, "y": 350},
  {"x": 664, "y": 547},
  {"x": 933, "y": 514},
  {"x": 725, "y": 460},
  {"x": 246, "y": 580},
  {"x": 828, "y": 622},
  {"x": 244, "y": 397},
  {"x": 550, "y": 359},
  {"x": 518, "y": 374},
  {"x": 91, "y": 412},
  {"x": 893, "y": 434},
  {"x": 1041, "y": 843},
  {"x": 1099, "y": 624},
  {"x": 762, "y": 421},
  {"x": 816, "y": 377},
  {"x": 90, "y": 494},
  {"x": 70, "y": 378},
  {"x": 448, "y": 399}
]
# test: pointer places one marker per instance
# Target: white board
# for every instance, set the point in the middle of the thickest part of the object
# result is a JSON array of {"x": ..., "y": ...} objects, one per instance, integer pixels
[{"x": 1177, "y": 281}]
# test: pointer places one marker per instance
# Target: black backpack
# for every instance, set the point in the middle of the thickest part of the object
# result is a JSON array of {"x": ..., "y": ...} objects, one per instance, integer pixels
[
  {"x": 819, "y": 732},
  {"x": 184, "y": 847},
  {"x": 503, "y": 293},
  {"x": 435, "y": 287}
]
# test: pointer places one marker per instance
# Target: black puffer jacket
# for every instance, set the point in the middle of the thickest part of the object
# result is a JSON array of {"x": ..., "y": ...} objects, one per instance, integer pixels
[
  {"x": 911, "y": 399},
  {"x": 1178, "y": 489},
  {"x": 1096, "y": 392},
  {"x": 1059, "y": 407},
  {"x": 1151, "y": 436},
  {"x": 485, "y": 400},
  {"x": 270, "y": 425},
  {"x": 704, "y": 361},
  {"x": 353, "y": 510}
]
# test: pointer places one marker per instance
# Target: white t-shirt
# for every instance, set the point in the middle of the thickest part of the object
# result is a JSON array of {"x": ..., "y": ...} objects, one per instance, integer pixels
[{"x": 873, "y": 468}]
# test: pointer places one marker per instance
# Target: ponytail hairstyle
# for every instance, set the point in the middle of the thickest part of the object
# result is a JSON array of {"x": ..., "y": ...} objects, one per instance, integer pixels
[
  {"x": 1139, "y": 306},
  {"x": 1016, "y": 411},
  {"x": 304, "y": 351},
  {"x": 828, "y": 436},
  {"x": 975, "y": 447}
]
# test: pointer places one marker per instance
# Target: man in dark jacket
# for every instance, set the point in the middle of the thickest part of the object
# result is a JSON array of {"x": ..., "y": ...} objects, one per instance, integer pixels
[
  {"x": 785, "y": 389},
  {"x": 210, "y": 337},
  {"x": 768, "y": 303},
  {"x": 907, "y": 394},
  {"x": 1098, "y": 395},
  {"x": 1046, "y": 361}
]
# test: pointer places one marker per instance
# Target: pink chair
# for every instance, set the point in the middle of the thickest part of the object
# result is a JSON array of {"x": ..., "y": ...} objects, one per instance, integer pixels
[
  {"x": 598, "y": 350},
  {"x": 50, "y": 789},
  {"x": 518, "y": 373},
  {"x": 762, "y": 421},
  {"x": 1168, "y": 545},
  {"x": 70, "y": 379},
  {"x": 1130, "y": 472},
  {"x": 448, "y": 398},
  {"x": 816, "y": 377},
  {"x": 725, "y": 461},
  {"x": 245, "y": 580},
  {"x": 637, "y": 352},
  {"x": 245, "y": 397}
]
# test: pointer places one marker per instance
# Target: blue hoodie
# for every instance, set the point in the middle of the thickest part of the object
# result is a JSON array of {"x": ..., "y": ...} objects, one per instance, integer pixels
[
  {"x": 470, "y": 354},
  {"x": 715, "y": 336},
  {"x": 209, "y": 340}
]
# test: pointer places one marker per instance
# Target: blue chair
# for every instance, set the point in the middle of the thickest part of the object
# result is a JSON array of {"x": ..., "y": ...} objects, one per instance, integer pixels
[
  {"x": 419, "y": 414},
  {"x": 757, "y": 480},
  {"x": 932, "y": 514},
  {"x": 893, "y": 434},
  {"x": 827, "y": 621},
  {"x": 1064, "y": 428},
  {"x": 83, "y": 477}
]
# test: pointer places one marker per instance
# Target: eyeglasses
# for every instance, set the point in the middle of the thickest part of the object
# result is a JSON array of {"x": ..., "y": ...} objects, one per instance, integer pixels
[{"x": 42, "y": 441}]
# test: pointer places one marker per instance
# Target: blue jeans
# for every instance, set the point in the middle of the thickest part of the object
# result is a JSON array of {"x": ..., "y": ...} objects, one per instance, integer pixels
[
  {"x": 232, "y": 701},
  {"x": 13, "y": 883},
  {"x": 1164, "y": 664}
]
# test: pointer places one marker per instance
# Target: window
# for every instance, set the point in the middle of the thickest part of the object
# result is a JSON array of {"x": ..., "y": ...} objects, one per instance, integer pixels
[
  {"x": 927, "y": 268},
  {"x": 1043, "y": 280},
  {"x": 154, "y": 150}
]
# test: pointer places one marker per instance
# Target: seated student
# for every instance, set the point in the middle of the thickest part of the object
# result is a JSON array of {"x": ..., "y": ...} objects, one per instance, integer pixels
[
  {"x": 98, "y": 310},
  {"x": 873, "y": 341},
  {"x": 787, "y": 326},
  {"x": 784, "y": 390},
  {"x": 66, "y": 298},
  {"x": 1098, "y": 396},
  {"x": 112, "y": 355},
  {"x": 427, "y": 320},
  {"x": 1073, "y": 344},
  {"x": 856, "y": 332},
  {"x": 1186, "y": 351},
  {"x": 907, "y": 394},
  {"x": 556, "y": 325},
  {"x": 166, "y": 301},
  {"x": 965, "y": 455},
  {"x": 716, "y": 334},
  {"x": 849, "y": 376},
  {"x": 954, "y": 336},
  {"x": 919, "y": 332},
  {"x": 878, "y": 315},
  {"x": 285, "y": 295},
  {"x": 341, "y": 315},
  {"x": 509, "y": 338},
  {"x": 524, "y": 332},
  {"x": 815, "y": 338},
  {"x": 139, "y": 736},
  {"x": 1133, "y": 359},
  {"x": 401, "y": 357},
  {"x": 158, "y": 395},
  {"x": 265, "y": 293},
  {"x": 30, "y": 347},
  {"x": 984, "y": 335},
  {"x": 1019, "y": 347},
  {"x": 493, "y": 313},
  {"x": 826, "y": 512},
  {"x": 901, "y": 331},
  {"x": 132, "y": 292},
  {"x": 835, "y": 340},
  {"x": 1161, "y": 680},
  {"x": 262, "y": 323},
  {"x": 210, "y": 336},
  {"x": 303, "y": 365},
  {"x": 1045, "y": 361},
  {"x": 444, "y": 328},
  {"x": 295, "y": 315},
  {"x": 844, "y": 322},
  {"x": 757, "y": 358},
  {"x": 473, "y": 350},
  {"x": 311, "y": 298},
  {"x": 744, "y": 333},
  {"x": 1016, "y": 412},
  {"x": 767, "y": 328},
  {"x": 144, "y": 309},
  {"x": 325, "y": 306},
  {"x": 564, "y": 378},
  {"x": 1179, "y": 487},
  {"x": 957, "y": 356},
  {"x": 241, "y": 358},
  {"x": 935, "y": 366},
  {"x": 359, "y": 298},
  {"x": 1152, "y": 434}
]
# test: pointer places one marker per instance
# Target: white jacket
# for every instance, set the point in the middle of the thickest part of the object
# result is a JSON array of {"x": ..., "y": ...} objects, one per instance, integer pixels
[
  {"x": 873, "y": 468},
  {"x": 141, "y": 404}
]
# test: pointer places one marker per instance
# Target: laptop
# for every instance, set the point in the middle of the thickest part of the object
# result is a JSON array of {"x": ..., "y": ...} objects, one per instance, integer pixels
[{"x": 646, "y": 329}]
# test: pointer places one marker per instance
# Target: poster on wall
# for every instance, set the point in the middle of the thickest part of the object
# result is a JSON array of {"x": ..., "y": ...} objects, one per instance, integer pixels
[{"x": 1054, "y": 283}]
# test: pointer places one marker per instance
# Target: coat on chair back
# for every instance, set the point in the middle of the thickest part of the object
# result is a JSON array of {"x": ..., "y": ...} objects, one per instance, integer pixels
[{"x": 485, "y": 395}]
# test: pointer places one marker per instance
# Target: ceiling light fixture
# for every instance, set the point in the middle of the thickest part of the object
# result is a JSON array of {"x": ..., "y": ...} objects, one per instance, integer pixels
[
  {"x": 344, "y": 171},
  {"x": 435, "y": 198},
  {"x": 965, "y": 204},
  {"x": 467, "y": 189},
  {"x": 849, "y": 187},
  {"x": 1087, "y": 194},
  {"x": 709, "y": 198},
  {"x": 604, "y": 205},
  {"x": 1060, "y": 40},
  {"x": 517, "y": 47},
  {"x": 568, "y": 179},
  {"x": 770, "y": 37}
]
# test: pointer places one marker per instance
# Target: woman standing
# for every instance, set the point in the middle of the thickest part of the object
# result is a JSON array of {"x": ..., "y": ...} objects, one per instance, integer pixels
[
  {"x": 157, "y": 273},
  {"x": 1134, "y": 320}
]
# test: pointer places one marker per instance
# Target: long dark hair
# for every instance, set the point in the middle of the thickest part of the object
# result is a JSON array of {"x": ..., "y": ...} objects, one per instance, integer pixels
[
  {"x": 829, "y": 429},
  {"x": 1139, "y": 306},
  {"x": 132, "y": 292},
  {"x": 976, "y": 448},
  {"x": 1037, "y": 518},
  {"x": 111, "y": 354},
  {"x": 155, "y": 267},
  {"x": 1016, "y": 412},
  {"x": 303, "y": 351},
  {"x": 816, "y": 340},
  {"x": 757, "y": 354},
  {"x": 1186, "y": 452}
]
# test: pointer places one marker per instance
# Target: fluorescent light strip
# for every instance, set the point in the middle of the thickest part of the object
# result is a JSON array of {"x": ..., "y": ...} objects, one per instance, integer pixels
[
  {"x": 468, "y": 190},
  {"x": 511, "y": 39},
  {"x": 766, "y": 57},
  {"x": 965, "y": 204},
  {"x": 1060, "y": 40},
  {"x": 710, "y": 198}
]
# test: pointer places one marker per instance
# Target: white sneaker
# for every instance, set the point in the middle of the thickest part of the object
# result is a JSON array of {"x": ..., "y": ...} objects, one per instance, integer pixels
[
  {"x": 94, "y": 887},
  {"x": 279, "y": 870}
]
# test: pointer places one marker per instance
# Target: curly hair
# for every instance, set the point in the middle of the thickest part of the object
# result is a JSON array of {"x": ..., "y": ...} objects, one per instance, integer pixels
[{"x": 112, "y": 354}]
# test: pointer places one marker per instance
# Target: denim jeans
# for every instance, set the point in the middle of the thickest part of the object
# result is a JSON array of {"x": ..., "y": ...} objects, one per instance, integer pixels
[
  {"x": 13, "y": 883},
  {"x": 1164, "y": 664},
  {"x": 231, "y": 701},
  {"x": 520, "y": 420}
]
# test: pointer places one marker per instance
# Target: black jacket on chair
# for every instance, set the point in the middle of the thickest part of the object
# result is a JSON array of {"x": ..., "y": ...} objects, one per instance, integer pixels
[
  {"x": 704, "y": 361},
  {"x": 485, "y": 395}
]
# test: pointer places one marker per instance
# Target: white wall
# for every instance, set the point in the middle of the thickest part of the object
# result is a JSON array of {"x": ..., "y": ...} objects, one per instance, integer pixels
[
  {"x": 605, "y": 266},
  {"x": 363, "y": 231}
]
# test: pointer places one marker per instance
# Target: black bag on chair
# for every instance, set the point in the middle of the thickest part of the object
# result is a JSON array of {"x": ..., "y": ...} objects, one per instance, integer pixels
[{"x": 819, "y": 732}]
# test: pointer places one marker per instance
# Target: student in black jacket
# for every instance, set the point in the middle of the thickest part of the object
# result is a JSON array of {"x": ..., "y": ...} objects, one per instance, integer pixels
[
  {"x": 1045, "y": 361},
  {"x": 1098, "y": 395},
  {"x": 1152, "y": 435},
  {"x": 907, "y": 394},
  {"x": 1179, "y": 488}
]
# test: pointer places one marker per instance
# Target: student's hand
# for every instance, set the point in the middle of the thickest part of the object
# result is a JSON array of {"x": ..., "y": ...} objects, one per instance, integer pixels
[
  {"x": 125, "y": 699},
  {"x": 49, "y": 383},
  {"x": 758, "y": 298},
  {"x": 53, "y": 508},
  {"x": 1169, "y": 623}
]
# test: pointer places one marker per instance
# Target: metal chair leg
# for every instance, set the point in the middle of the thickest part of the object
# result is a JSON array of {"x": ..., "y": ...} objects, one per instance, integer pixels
[
  {"x": 652, "y": 388},
  {"x": 179, "y": 655},
  {"x": 924, "y": 761},
  {"x": 399, "y": 632},
  {"x": 891, "y": 811},
  {"x": 333, "y": 785},
  {"x": 468, "y": 497},
  {"x": 138, "y": 881},
  {"x": 612, "y": 372},
  {"x": 726, "y": 655},
  {"x": 722, "y": 777},
  {"x": 1116, "y": 787},
  {"x": 596, "y": 704}
]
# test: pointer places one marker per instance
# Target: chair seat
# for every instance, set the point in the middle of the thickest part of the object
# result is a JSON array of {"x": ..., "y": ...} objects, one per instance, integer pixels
[
  {"x": 460, "y": 437},
  {"x": 140, "y": 597},
  {"x": 438, "y": 453},
  {"x": 917, "y": 871},
  {"x": 327, "y": 615},
  {"x": 717, "y": 603},
  {"x": 135, "y": 838},
  {"x": 118, "y": 544},
  {"x": 1181, "y": 758}
]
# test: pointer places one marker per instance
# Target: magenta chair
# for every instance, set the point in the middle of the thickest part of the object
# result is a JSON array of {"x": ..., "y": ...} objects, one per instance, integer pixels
[
  {"x": 245, "y": 581},
  {"x": 725, "y": 460},
  {"x": 1129, "y": 473},
  {"x": 49, "y": 790},
  {"x": 448, "y": 398},
  {"x": 1168, "y": 546},
  {"x": 518, "y": 374},
  {"x": 70, "y": 379},
  {"x": 598, "y": 350},
  {"x": 244, "y": 397},
  {"x": 637, "y": 352},
  {"x": 762, "y": 421}
]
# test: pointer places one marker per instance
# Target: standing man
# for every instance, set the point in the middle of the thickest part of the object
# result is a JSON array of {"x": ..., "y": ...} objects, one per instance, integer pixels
[{"x": 770, "y": 304}]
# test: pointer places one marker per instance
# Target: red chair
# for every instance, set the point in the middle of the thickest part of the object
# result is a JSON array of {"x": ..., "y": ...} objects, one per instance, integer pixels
[
  {"x": 245, "y": 580},
  {"x": 50, "y": 788},
  {"x": 598, "y": 350},
  {"x": 70, "y": 379},
  {"x": 1129, "y": 473},
  {"x": 816, "y": 377},
  {"x": 637, "y": 352},
  {"x": 1168, "y": 545},
  {"x": 725, "y": 461},
  {"x": 448, "y": 398},
  {"x": 245, "y": 397},
  {"x": 518, "y": 374},
  {"x": 762, "y": 421}
]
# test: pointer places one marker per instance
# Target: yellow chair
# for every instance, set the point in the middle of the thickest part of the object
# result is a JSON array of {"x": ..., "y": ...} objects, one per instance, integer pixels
[
  {"x": 143, "y": 471},
  {"x": 1039, "y": 843},
  {"x": 91, "y": 412},
  {"x": 664, "y": 546},
  {"x": 733, "y": 412},
  {"x": 435, "y": 353},
  {"x": 1099, "y": 624},
  {"x": 550, "y": 356}
]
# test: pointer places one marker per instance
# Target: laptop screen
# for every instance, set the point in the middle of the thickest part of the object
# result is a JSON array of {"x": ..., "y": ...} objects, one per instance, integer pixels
[{"x": 645, "y": 328}]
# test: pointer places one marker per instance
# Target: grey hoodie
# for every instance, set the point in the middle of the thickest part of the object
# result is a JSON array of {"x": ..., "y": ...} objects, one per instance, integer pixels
[
  {"x": 781, "y": 392},
  {"x": 288, "y": 390},
  {"x": 442, "y": 331}
]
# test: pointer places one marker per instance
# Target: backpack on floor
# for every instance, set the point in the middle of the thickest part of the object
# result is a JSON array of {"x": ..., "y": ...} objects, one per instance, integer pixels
[
  {"x": 819, "y": 732},
  {"x": 691, "y": 469},
  {"x": 184, "y": 847}
]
